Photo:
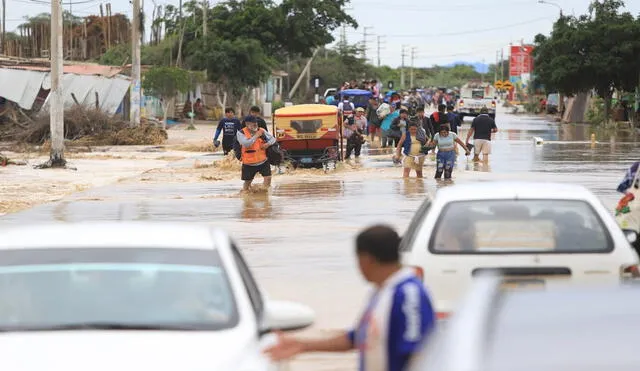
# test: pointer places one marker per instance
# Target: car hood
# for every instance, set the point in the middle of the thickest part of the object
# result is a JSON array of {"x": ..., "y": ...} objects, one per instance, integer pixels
[{"x": 130, "y": 350}]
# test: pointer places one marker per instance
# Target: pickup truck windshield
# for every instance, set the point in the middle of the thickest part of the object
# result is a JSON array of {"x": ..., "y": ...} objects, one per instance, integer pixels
[{"x": 477, "y": 94}]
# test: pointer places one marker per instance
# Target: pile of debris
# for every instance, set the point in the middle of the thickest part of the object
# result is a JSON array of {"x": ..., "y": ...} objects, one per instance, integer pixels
[{"x": 86, "y": 125}]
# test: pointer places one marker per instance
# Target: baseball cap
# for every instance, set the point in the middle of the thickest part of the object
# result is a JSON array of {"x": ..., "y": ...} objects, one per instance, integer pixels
[
  {"x": 359, "y": 109},
  {"x": 250, "y": 118}
]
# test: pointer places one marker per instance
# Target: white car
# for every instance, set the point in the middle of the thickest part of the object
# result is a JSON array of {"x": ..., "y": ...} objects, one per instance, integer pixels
[
  {"x": 536, "y": 233},
  {"x": 135, "y": 296},
  {"x": 573, "y": 328}
]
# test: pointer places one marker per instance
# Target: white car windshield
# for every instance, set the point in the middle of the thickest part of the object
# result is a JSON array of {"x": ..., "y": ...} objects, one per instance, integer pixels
[
  {"x": 519, "y": 226},
  {"x": 168, "y": 289}
]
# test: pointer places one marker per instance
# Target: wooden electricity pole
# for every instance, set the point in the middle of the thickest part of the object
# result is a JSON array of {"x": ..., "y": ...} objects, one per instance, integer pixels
[
  {"x": 135, "y": 92},
  {"x": 56, "y": 100},
  {"x": 4, "y": 27}
]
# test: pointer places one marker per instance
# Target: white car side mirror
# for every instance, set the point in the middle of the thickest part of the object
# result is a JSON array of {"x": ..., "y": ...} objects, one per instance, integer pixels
[
  {"x": 285, "y": 316},
  {"x": 631, "y": 236}
]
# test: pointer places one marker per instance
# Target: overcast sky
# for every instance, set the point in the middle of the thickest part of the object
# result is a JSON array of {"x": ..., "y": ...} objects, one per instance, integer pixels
[{"x": 440, "y": 31}]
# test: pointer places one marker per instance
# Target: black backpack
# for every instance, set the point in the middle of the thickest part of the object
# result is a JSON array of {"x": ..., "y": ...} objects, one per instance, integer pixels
[
  {"x": 275, "y": 156},
  {"x": 237, "y": 149}
]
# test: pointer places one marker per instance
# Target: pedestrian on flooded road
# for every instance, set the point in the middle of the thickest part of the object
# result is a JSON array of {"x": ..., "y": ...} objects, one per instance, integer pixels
[
  {"x": 445, "y": 141},
  {"x": 373, "y": 119},
  {"x": 481, "y": 128},
  {"x": 229, "y": 126},
  {"x": 385, "y": 126},
  {"x": 454, "y": 119},
  {"x": 439, "y": 118},
  {"x": 354, "y": 132},
  {"x": 254, "y": 142},
  {"x": 398, "y": 126},
  {"x": 396, "y": 320},
  {"x": 255, "y": 112},
  {"x": 425, "y": 123},
  {"x": 410, "y": 146}
]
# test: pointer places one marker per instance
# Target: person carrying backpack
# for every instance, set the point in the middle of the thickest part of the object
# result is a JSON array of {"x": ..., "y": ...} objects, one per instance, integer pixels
[
  {"x": 398, "y": 127},
  {"x": 439, "y": 118}
]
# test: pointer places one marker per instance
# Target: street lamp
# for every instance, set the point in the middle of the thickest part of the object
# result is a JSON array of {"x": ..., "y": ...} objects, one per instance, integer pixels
[{"x": 551, "y": 3}]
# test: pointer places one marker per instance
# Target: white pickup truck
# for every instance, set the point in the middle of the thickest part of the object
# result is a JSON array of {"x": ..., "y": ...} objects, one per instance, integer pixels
[{"x": 473, "y": 99}]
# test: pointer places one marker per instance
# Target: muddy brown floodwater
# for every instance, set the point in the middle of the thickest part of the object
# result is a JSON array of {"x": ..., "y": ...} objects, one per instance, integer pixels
[{"x": 299, "y": 238}]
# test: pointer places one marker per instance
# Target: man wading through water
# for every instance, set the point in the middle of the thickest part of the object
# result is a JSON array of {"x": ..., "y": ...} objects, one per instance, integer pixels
[
  {"x": 397, "y": 319},
  {"x": 481, "y": 128},
  {"x": 354, "y": 132},
  {"x": 228, "y": 126},
  {"x": 254, "y": 142}
]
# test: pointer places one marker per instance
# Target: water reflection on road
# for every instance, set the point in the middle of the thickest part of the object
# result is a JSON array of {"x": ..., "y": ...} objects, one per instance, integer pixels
[{"x": 298, "y": 238}]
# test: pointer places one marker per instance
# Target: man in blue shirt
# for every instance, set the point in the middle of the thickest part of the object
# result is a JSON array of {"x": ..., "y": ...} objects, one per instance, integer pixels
[
  {"x": 229, "y": 127},
  {"x": 398, "y": 317}
]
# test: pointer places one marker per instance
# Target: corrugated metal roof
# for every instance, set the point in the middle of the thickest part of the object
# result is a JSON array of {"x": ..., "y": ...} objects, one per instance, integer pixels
[
  {"x": 111, "y": 91},
  {"x": 21, "y": 86},
  {"x": 85, "y": 69}
]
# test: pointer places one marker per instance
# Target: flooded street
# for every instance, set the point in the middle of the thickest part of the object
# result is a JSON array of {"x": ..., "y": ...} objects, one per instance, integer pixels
[{"x": 299, "y": 239}]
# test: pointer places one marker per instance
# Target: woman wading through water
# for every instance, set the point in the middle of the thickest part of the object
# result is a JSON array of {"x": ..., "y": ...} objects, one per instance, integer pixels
[
  {"x": 446, "y": 141},
  {"x": 411, "y": 145}
]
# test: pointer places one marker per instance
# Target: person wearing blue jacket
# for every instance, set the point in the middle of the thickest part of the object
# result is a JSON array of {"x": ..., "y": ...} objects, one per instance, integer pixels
[
  {"x": 385, "y": 126},
  {"x": 229, "y": 126},
  {"x": 397, "y": 319},
  {"x": 454, "y": 119}
]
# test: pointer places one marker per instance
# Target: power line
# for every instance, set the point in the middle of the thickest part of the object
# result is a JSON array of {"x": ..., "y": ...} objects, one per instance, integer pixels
[
  {"x": 476, "y": 7},
  {"x": 474, "y": 31}
]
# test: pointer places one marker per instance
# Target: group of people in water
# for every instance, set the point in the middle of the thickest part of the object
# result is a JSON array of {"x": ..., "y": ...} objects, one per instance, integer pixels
[
  {"x": 410, "y": 136},
  {"x": 413, "y": 137}
]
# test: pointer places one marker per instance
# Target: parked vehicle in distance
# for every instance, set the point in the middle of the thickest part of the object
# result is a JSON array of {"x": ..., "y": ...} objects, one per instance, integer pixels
[
  {"x": 572, "y": 328},
  {"x": 148, "y": 295},
  {"x": 548, "y": 233},
  {"x": 553, "y": 103},
  {"x": 474, "y": 97}
]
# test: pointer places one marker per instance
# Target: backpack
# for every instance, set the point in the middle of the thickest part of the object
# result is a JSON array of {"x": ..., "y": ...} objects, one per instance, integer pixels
[
  {"x": 237, "y": 149},
  {"x": 275, "y": 156}
]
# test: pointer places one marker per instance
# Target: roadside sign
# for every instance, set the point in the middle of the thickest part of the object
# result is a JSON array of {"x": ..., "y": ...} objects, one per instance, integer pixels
[
  {"x": 499, "y": 84},
  {"x": 390, "y": 85},
  {"x": 507, "y": 85}
]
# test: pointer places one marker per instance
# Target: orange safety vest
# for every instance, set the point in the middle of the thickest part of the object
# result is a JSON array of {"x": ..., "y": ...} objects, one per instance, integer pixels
[{"x": 254, "y": 154}]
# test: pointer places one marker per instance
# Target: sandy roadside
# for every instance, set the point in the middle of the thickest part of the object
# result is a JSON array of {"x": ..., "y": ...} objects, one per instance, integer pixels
[
  {"x": 183, "y": 158},
  {"x": 22, "y": 187}
]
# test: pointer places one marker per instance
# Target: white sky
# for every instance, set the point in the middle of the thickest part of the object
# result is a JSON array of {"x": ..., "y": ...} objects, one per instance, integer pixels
[{"x": 441, "y": 31}]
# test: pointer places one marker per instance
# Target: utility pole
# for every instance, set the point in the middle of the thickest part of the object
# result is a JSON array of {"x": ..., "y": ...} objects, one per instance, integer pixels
[
  {"x": 413, "y": 57},
  {"x": 364, "y": 41},
  {"x": 343, "y": 39},
  {"x": 135, "y": 92},
  {"x": 404, "y": 54},
  {"x": 4, "y": 28},
  {"x": 56, "y": 103},
  {"x": 205, "y": 5},
  {"x": 502, "y": 64},
  {"x": 379, "y": 47},
  {"x": 495, "y": 70}
]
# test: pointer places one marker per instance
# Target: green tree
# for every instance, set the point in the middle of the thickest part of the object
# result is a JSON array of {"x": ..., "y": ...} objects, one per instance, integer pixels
[
  {"x": 600, "y": 50},
  {"x": 246, "y": 39},
  {"x": 610, "y": 48},
  {"x": 165, "y": 83}
]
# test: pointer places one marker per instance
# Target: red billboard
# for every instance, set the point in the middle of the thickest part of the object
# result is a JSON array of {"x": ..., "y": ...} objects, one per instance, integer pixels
[{"x": 521, "y": 60}]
